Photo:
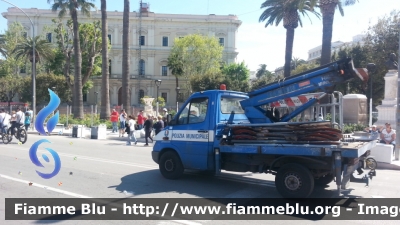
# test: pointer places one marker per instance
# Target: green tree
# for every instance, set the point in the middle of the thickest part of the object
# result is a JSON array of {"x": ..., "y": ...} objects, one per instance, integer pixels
[
  {"x": 289, "y": 11},
  {"x": 207, "y": 81},
  {"x": 328, "y": 8},
  {"x": 10, "y": 65},
  {"x": 304, "y": 67},
  {"x": 236, "y": 76},
  {"x": 195, "y": 54},
  {"x": 71, "y": 6},
  {"x": 126, "y": 97},
  {"x": 43, "y": 82},
  {"x": 10, "y": 87},
  {"x": 3, "y": 50},
  {"x": 264, "y": 80},
  {"x": 24, "y": 49},
  {"x": 105, "y": 82}
]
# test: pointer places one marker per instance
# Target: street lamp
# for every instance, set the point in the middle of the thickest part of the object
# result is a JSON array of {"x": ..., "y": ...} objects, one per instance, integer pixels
[
  {"x": 33, "y": 63},
  {"x": 371, "y": 69},
  {"x": 158, "y": 83},
  {"x": 178, "y": 89}
]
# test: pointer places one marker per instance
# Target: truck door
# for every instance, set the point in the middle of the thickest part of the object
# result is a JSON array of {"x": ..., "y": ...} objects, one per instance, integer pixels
[{"x": 192, "y": 133}]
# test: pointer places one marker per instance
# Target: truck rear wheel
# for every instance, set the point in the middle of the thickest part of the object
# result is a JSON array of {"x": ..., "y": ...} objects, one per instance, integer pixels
[
  {"x": 294, "y": 181},
  {"x": 170, "y": 165}
]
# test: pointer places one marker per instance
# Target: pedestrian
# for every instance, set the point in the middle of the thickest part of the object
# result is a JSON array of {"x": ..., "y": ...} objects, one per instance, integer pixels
[
  {"x": 388, "y": 136},
  {"x": 27, "y": 121},
  {"x": 5, "y": 120},
  {"x": 148, "y": 127},
  {"x": 122, "y": 121},
  {"x": 140, "y": 120},
  {"x": 114, "y": 120},
  {"x": 131, "y": 129},
  {"x": 159, "y": 125},
  {"x": 165, "y": 117}
]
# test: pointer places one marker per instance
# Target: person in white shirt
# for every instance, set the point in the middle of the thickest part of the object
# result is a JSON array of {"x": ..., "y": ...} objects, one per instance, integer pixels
[
  {"x": 131, "y": 127},
  {"x": 388, "y": 136},
  {"x": 18, "y": 119},
  {"x": 2, "y": 119},
  {"x": 122, "y": 121}
]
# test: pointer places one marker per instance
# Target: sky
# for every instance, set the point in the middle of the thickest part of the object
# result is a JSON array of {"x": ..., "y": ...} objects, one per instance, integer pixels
[{"x": 255, "y": 43}]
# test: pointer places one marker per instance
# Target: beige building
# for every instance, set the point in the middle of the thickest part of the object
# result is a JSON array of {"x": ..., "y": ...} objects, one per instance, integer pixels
[{"x": 151, "y": 39}]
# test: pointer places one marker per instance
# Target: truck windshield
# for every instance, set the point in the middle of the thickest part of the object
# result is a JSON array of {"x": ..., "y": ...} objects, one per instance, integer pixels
[{"x": 231, "y": 104}]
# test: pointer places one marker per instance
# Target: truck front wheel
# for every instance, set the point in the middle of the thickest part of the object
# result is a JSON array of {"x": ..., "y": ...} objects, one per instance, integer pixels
[
  {"x": 294, "y": 181},
  {"x": 170, "y": 165}
]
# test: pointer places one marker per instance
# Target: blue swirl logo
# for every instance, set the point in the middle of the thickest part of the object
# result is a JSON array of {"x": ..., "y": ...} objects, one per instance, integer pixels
[
  {"x": 51, "y": 124},
  {"x": 45, "y": 112}
]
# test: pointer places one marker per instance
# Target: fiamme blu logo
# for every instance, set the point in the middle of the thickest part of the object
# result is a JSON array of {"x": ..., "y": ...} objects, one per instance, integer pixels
[{"x": 50, "y": 125}]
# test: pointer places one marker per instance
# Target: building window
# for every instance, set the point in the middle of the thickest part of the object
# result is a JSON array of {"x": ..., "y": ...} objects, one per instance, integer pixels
[
  {"x": 109, "y": 68},
  {"x": 164, "y": 96},
  {"x": 84, "y": 97},
  {"x": 109, "y": 39},
  {"x": 142, "y": 41},
  {"x": 164, "y": 70},
  {"x": 141, "y": 67},
  {"x": 164, "y": 41},
  {"x": 222, "y": 41},
  {"x": 48, "y": 37},
  {"x": 141, "y": 94},
  {"x": 180, "y": 37}
]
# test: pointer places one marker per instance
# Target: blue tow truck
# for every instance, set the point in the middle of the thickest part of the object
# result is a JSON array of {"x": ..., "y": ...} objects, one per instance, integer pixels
[{"x": 234, "y": 131}]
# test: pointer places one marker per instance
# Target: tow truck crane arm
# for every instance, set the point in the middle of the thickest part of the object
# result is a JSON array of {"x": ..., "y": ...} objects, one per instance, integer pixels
[{"x": 323, "y": 78}]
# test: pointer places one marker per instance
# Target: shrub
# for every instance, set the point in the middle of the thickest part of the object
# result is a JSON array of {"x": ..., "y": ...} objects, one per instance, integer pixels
[{"x": 85, "y": 121}]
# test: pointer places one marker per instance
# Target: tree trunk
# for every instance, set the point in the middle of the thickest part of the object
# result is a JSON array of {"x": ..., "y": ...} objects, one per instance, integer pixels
[
  {"x": 328, "y": 13},
  {"x": 125, "y": 58},
  {"x": 78, "y": 97},
  {"x": 288, "y": 50},
  {"x": 105, "y": 83},
  {"x": 177, "y": 85}
]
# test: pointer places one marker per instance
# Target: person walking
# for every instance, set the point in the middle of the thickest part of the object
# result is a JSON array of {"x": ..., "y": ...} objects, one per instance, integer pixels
[
  {"x": 131, "y": 127},
  {"x": 159, "y": 125},
  {"x": 122, "y": 121},
  {"x": 148, "y": 127},
  {"x": 140, "y": 120},
  {"x": 114, "y": 120},
  {"x": 27, "y": 121}
]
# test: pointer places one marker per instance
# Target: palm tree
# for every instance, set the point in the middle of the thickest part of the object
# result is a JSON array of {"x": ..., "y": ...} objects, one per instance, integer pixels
[
  {"x": 125, "y": 57},
  {"x": 175, "y": 64},
  {"x": 261, "y": 71},
  {"x": 289, "y": 11},
  {"x": 72, "y": 6},
  {"x": 105, "y": 83},
  {"x": 328, "y": 8},
  {"x": 43, "y": 49}
]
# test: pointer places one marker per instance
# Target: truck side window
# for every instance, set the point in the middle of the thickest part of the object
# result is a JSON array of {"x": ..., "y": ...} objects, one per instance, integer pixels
[{"x": 194, "y": 112}]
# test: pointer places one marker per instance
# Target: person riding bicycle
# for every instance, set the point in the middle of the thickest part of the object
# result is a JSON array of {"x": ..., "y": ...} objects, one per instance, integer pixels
[
  {"x": 4, "y": 121},
  {"x": 20, "y": 120}
]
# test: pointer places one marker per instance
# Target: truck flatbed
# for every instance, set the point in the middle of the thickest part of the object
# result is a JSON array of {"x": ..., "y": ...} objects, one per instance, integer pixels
[{"x": 347, "y": 149}]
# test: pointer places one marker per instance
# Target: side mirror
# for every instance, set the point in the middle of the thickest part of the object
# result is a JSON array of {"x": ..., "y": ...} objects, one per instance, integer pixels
[{"x": 172, "y": 122}]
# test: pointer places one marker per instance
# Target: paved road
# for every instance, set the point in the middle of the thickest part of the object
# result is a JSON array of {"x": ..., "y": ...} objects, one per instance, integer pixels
[{"x": 110, "y": 169}]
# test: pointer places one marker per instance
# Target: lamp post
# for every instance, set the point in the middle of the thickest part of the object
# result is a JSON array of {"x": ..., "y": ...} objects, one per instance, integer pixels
[
  {"x": 178, "y": 89},
  {"x": 397, "y": 146},
  {"x": 33, "y": 63},
  {"x": 158, "y": 83},
  {"x": 371, "y": 69}
]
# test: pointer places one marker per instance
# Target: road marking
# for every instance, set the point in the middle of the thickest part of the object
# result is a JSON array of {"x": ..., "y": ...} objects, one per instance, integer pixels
[
  {"x": 225, "y": 176},
  {"x": 45, "y": 187}
]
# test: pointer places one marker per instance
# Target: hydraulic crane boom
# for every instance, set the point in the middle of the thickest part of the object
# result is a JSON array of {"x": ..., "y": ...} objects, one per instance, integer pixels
[{"x": 323, "y": 78}]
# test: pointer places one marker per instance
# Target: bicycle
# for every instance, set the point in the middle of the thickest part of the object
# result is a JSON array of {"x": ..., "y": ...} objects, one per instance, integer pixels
[
  {"x": 5, "y": 137},
  {"x": 20, "y": 134}
]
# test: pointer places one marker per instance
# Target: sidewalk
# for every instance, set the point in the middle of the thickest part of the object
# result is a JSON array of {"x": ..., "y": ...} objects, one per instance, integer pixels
[{"x": 87, "y": 134}]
